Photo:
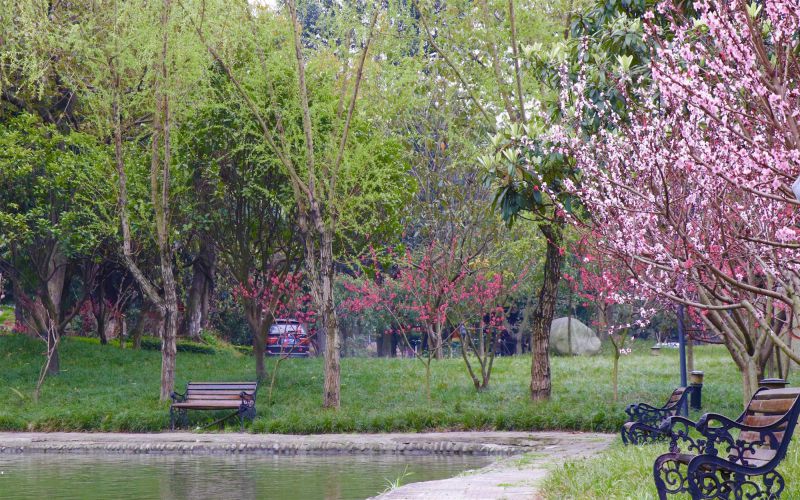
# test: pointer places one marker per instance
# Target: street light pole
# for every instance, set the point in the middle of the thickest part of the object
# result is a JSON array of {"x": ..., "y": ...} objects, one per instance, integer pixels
[{"x": 682, "y": 351}]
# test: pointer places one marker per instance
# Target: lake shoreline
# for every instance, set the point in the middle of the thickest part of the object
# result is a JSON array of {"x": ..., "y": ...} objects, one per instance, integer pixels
[{"x": 451, "y": 443}]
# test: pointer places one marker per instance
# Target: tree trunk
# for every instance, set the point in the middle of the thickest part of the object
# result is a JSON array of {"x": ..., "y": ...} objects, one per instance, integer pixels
[
  {"x": 319, "y": 267},
  {"x": 54, "y": 367},
  {"x": 379, "y": 345},
  {"x": 55, "y": 275},
  {"x": 394, "y": 340},
  {"x": 750, "y": 377},
  {"x": 255, "y": 320},
  {"x": 169, "y": 340},
  {"x": 199, "y": 295},
  {"x": 438, "y": 342},
  {"x": 160, "y": 167},
  {"x": 543, "y": 314},
  {"x": 100, "y": 316},
  {"x": 332, "y": 389}
]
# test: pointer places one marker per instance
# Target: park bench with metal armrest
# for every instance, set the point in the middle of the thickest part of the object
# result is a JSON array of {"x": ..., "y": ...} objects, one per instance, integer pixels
[
  {"x": 728, "y": 458},
  {"x": 238, "y": 396},
  {"x": 644, "y": 420}
]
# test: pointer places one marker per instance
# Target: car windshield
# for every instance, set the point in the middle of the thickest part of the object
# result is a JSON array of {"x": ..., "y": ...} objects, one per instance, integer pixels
[{"x": 283, "y": 328}]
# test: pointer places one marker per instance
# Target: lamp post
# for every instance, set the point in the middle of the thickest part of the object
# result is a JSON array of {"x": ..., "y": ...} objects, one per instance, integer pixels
[{"x": 682, "y": 353}]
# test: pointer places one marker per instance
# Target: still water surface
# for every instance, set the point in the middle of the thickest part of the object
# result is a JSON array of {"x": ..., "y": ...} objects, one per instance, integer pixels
[{"x": 62, "y": 477}]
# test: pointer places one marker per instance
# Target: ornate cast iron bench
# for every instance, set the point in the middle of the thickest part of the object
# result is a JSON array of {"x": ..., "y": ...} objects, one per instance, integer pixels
[
  {"x": 644, "y": 420},
  {"x": 239, "y": 396},
  {"x": 729, "y": 455}
]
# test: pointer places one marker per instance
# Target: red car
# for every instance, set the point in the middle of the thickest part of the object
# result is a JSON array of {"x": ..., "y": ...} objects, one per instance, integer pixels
[{"x": 287, "y": 337}]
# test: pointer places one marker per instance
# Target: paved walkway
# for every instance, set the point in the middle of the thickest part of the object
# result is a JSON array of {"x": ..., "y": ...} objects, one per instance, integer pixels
[
  {"x": 509, "y": 478},
  {"x": 524, "y": 457}
]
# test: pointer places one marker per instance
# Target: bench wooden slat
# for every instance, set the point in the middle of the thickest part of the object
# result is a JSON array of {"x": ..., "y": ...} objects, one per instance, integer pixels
[
  {"x": 226, "y": 391},
  {"x": 751, "y": 436},
  {"x": 221, "y": 397},
  {"x": 207, "y": 405},
  {"x": 787, "y": 393},
  {"x": 210, "y": 387},
  {"x": 761, "y": 420},
  {"x": 771, "y": 405}
]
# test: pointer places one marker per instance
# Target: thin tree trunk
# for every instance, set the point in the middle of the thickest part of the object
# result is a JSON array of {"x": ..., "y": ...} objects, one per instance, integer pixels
[
  {"x": 615, "y": 374},
  {"x": 543, "y": 314},
  {"x": 54, "y": 361},
  {"x": 394, "y": 342},
  {"x": 438, "y": 342}
]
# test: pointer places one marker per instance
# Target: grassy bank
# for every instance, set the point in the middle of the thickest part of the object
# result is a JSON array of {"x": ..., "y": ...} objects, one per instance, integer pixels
[
  {"x": 111, "y": 389},
  {"x": 626, "y": 472}
]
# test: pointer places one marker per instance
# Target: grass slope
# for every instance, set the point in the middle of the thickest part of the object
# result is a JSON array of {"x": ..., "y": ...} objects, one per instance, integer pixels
[
  {"x": 105, "y": 388},
  {"x": 626, "y": 472}
]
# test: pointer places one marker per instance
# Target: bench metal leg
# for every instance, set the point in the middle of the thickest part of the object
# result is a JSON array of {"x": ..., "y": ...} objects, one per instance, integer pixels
[
  {"x": 171, "y": 418},
  {"x": 668, "y": 476}
]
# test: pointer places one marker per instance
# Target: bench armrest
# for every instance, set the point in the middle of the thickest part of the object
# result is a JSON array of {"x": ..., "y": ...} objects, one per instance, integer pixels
[
  {"x": 720, "y": 435},
  {"x": 707, "y": 418},
  {"x": 246, "y": 396},
  {"x": 646, "y": 414},
  {"x": 680, "y": 429},
  {"x": 177, "y": 397}
]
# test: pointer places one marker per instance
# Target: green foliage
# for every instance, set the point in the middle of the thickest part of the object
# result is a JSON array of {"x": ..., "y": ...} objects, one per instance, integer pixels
[
  {"x": 53, "y": 186},
  {"x": 154, "y": 344}
]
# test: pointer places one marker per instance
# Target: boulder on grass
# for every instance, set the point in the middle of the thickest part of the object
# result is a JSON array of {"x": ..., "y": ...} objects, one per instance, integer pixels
[{"x": 583, "y": 339}]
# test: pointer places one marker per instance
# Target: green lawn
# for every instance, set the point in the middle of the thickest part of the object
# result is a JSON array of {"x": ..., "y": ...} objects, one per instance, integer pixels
[
  {"x": 111, "y": 389},
  {"x": 626, "y": 472}
]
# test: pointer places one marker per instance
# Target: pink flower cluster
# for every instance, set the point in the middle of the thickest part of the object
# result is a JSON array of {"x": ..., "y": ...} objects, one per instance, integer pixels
[
  {"x": 430, "y": 291},
  {"x": 693, "y": 195},
  {"x": 279, "y": 295}
]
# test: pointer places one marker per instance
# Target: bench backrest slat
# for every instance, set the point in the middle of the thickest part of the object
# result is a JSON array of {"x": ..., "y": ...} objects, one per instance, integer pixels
[
  {"x": 674, "y": 402},
  {"x": 776, "y": 410},
  {"x": 218, "y": 391},
  {"x": 205, "y": 385}
]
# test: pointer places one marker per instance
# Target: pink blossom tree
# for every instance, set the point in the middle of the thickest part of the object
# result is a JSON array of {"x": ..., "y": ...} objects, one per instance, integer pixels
[
  {"x": 605, "y": 284},
  {"x": 438, "y": 294},
  {"x": 693, "y": 193},
  {"x": 267, "y": 297}
]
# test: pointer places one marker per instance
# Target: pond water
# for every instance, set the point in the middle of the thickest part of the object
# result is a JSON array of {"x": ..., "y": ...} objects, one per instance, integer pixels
[{"x": 63, "y": 476}]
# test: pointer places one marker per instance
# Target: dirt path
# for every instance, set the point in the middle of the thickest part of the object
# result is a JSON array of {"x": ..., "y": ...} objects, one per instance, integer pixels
[{"x": 509, "y": 478}]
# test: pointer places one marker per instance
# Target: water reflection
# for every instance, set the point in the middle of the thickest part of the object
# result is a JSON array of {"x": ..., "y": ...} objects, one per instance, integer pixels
[{"x": 66, "y": 477}]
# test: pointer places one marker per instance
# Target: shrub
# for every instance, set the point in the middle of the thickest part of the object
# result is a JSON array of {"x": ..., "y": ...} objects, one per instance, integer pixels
[{"x": 154, "y": 344}]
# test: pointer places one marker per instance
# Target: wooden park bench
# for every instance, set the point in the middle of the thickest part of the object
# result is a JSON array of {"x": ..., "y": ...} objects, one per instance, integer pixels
[
  {"x": 644, "y": 420},
  {"x": 238, "y": 396},
  {"x": 731, "y": 458}
]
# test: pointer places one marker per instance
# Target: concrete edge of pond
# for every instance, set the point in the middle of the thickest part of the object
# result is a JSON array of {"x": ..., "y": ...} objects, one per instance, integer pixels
[{"x": 471, "y": 443}]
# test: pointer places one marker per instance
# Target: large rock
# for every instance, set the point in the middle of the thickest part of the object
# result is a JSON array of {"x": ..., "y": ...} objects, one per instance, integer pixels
[{"x": 583, "y": 339}]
